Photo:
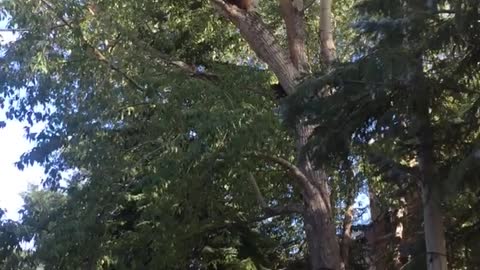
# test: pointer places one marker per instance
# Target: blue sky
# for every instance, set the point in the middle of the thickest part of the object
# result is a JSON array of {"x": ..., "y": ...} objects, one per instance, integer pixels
[
  {"x": 13, "y": 181},
  {"x": 12, "y": 144}
]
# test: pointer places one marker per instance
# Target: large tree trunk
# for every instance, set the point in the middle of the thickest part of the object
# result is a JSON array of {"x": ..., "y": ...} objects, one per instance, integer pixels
[
  {"x": 289, "y": 66},
  {"x": 432, "y": 214},
  {"x": 434, "y": 230},
  {"x": 319, "y": 226},
  {"x": 320, "y": 231},
  {"x": 346, "y": 237}
]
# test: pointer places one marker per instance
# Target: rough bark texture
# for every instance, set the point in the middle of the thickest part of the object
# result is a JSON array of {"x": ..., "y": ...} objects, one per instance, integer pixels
[
  {"x": 376, "y": 240},
  {"x": 320, "y": 232},
  {"x": 347, "y": 234},
  {"x": 293, "y": 16},
  {"x": 346, "y": 241},
  {"x": 288, "y": 66},
  {"x": 263, "y": 43},
  {"x": 397, "y": 219},
  {"x": 434, "y": 230},
  {"x": 432, "y": 214},
  {"x": 326, "y": 32},
  {"x": 322, "y": 241}
]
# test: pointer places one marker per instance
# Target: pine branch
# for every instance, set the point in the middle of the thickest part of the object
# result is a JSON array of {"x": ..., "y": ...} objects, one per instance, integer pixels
[{"x": 394, "y": 170}]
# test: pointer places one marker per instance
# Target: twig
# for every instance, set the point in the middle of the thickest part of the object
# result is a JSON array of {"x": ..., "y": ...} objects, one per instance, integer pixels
[{"x": 96, "y": 52}]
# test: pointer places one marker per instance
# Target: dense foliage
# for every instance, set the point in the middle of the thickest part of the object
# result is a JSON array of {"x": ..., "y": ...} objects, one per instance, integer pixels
[
  {"x": 161, "y": 125},
  {"x": 410, "y": 58}
]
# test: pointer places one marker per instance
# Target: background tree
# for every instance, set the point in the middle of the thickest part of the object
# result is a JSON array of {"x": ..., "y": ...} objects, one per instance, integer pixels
[
  {"x": 159, "y": 112},
  {"x": 415, "y": 77},
  {"x": 166, "y": 147}
]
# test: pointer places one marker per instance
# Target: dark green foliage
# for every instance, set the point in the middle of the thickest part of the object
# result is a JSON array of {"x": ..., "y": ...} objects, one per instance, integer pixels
[
  {"x": 367, "y": 106},
  {"x": 145, "y": 159}
]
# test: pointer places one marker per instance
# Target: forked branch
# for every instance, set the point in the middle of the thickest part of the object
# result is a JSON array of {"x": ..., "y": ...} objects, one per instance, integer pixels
[
  {"x": 263, "y": 43},
  {"x": 293, "y": 170}
]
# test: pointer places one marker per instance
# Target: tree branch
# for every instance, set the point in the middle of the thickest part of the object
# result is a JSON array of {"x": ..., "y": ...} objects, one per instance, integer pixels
[
  {"x": 256, "y": 189},
  {"x": 191, "y": 69},
  {"x": 293, "y": 170},
  {"x": 393, "y": 169},
  {"x": 263, "y": 43},
  {"x": 14, "y": 30},
  {"x": 294, "y": 17},
  {"x": 225, "y": 224},
  {"x": 167, "y": 60},
  {"x": 291, "y": 208},
  {"x": 327, "y": 44},
  {"x": 98, "y": 54}
]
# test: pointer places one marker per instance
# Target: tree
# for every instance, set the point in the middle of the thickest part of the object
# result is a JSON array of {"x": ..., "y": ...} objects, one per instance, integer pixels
[
  {"x": 289, "y": 69},
  {"x": 414, "y": 72},
  {"x": 141, "y": 108}
]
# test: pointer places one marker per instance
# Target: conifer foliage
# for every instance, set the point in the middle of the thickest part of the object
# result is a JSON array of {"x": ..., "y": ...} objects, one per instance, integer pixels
[
  {"x": 165, "y": 147},
  {"x": 409, "y": 103}
]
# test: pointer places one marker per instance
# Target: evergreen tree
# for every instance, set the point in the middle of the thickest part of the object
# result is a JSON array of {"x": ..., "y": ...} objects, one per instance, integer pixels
[{"x": 410, "y": 94}]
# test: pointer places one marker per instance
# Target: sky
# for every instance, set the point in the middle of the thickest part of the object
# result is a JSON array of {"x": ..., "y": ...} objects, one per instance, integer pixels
[
  {"x": 12, "y": 144},
  {"x": 13, "y": 181}
]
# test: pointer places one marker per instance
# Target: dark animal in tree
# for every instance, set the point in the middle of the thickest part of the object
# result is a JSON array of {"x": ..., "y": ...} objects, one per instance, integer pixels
[{"x": 278, "y": 91}]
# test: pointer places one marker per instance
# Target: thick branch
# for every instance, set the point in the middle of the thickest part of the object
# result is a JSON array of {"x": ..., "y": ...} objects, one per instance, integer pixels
[
  {"x": 239, "y": 221},
  {"x": 292, "y": 208},
  {"x": 393, "y": 169},
  {"x": 293, "y": 170},
  {"x": 327, "y": 44},
  {"x": 293, "y": 15},
  {"x": 263, "y": 43}
]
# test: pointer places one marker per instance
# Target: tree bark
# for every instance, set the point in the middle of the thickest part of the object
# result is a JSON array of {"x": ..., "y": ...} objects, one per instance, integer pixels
[
  {"x": 318, "y": 221},
  {"x": 294, "y": 18},
  {"x": 347, "y": 233},
  {"x": 432, "y": 214},
  {"x": 434, "y": 230},
  {"x": 320, "y": 231},
  {"x": 324, "y": 242},
  {"x": 376, "y": 231},
  {"x": 351, "y": 192},
  {"x": 327, "y": 44},
  {"x": 288, "y": 66},
  {"x": 262, "y": 42}
]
